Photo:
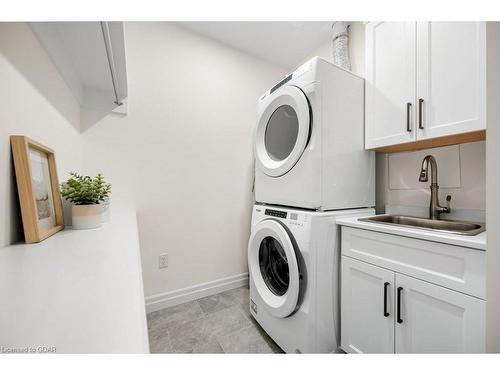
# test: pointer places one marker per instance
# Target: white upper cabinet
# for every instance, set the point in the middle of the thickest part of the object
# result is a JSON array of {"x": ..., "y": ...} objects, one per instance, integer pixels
[
  {"x": 424, "y": 80},
  {"x": 390, "y": 83},
  {"x": 451, "y": 78}
]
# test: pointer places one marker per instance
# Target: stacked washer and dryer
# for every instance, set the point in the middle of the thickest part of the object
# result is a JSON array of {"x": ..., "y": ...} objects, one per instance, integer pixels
[{"x": 310, "y": 168}]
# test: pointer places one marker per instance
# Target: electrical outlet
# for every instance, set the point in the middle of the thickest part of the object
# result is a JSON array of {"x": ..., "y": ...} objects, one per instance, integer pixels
[{"x": 163, "y": 261}]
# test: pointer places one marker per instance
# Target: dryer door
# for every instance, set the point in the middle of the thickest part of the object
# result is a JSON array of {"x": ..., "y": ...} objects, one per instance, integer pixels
[
  {"x": 274, "y": 267},
  {"x": 282, "y": 131}
]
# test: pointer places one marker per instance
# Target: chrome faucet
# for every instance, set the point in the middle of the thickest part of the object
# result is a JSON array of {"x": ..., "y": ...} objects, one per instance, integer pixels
[{"x": 434, "y": 208}]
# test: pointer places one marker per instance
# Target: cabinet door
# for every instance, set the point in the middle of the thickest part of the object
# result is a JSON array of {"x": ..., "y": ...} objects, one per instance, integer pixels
[
  {"x": 434, "y": 319},
  {"x": 390, "y": 83},
  {"x": 451, "y": 78},
  {"x": 366, "y": 327}
]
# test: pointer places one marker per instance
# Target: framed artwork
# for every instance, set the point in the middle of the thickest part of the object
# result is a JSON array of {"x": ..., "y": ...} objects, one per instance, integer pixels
[{"x": 38, "y": 188}]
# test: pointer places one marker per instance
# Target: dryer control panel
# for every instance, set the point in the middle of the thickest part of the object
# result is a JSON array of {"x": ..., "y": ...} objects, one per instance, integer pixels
[{"x": 281, "y": 83}]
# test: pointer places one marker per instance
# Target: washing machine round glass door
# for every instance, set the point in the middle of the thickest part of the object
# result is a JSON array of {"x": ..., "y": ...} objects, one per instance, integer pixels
[
  {"x": 274, "y": 268},
  {"x": 282, "y": 131}
]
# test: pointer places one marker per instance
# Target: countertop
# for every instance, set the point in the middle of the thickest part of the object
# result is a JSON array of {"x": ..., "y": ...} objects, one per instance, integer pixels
[
  {"x": 475, "y": 242},
  {"x": 79, "y": 291}
]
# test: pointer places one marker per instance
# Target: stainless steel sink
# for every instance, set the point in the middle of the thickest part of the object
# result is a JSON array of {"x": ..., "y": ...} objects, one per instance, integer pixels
[{"x": 447, "y": 226}]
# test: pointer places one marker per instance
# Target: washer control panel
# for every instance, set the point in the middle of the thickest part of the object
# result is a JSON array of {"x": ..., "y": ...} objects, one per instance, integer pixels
[
  {"x": 276, "y": 213},
  {"x": 297, "y": 220}
]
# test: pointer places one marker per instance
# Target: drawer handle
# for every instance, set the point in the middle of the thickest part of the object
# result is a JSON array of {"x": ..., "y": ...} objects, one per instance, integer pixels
[
  {"x": 408, "y": 117},
  {"x": 400, "y": 289},
  {"x": 386, "y": 313},
  {"x": 420, "y": 120}
]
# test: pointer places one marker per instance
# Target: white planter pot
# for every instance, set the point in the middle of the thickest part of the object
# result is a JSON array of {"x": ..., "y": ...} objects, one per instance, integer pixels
[
  {"x": 86, "y": 216},
  {"x": 106, "y": 210}
]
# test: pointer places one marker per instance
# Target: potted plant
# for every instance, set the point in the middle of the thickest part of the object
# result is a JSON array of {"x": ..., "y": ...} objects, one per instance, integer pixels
[{"x": 86, "y": 194}]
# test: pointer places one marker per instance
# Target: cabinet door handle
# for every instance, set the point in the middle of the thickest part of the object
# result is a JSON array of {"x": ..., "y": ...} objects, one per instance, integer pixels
[
  {"x": 408, "y": 117},
  {"x": 400, "y": 289},
  {"x": 420, "y": 119},
  {"x": 386, "y": 313}
]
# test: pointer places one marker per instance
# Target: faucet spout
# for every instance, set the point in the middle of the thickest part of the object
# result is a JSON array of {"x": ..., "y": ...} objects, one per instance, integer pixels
[
  {"x": 429, "y": 160},
  {"x": 435, "y": 209}
]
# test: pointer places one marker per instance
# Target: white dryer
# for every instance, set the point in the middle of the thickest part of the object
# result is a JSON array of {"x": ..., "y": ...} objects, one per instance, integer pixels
[
  {"x": 293, "y": 261},
  {"x": 309, "y": 143}
]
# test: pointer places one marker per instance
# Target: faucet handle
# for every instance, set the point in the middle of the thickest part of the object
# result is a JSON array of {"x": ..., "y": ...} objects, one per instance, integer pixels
[{"x": 448, "y": 199}]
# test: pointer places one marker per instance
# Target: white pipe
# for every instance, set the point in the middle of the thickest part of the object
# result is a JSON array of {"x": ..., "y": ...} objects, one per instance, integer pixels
[{"x": 340, "y": 43}]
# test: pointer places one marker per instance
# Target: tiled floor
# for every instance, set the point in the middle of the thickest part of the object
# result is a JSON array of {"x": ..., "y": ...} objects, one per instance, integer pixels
[{"x": 217, "y": 324}]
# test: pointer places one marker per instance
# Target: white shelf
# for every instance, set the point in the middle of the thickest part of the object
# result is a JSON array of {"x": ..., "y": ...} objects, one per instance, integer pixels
[{"x": 80, "y": 291}]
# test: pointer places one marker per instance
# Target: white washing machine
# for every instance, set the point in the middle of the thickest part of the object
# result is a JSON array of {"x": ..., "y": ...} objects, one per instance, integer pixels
[
  {"x": 309, "y": 142},
  {"x": 293, "y": 261}
]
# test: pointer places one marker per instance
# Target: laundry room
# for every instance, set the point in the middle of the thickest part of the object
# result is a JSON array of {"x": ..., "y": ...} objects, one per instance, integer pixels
[{"x": 249, "y": 186}]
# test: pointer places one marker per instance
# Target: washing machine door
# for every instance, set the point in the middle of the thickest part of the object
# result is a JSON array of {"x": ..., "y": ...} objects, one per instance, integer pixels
[
  {"x": 274, "y": 268},
  {"x": 282, "y": 131}
]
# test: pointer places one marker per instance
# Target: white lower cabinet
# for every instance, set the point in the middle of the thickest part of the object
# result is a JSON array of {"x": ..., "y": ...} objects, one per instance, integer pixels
[
  {"x": 434, "y": 319},
  {"x": 367, "y": 325},
  {"x": 383, "y": 311}
]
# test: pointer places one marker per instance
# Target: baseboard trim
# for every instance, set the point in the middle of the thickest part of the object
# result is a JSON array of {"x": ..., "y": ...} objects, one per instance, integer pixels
[{"x": 176, "y": 297}]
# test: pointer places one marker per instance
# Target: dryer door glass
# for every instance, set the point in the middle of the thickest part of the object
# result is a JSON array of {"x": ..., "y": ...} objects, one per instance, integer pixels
[
  {"x": 274, "y": 266},
  {"x": 281, "y": 133}
]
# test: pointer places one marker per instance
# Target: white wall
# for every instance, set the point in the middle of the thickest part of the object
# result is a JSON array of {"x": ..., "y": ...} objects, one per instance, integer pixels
[
  {"x": 493, "y": 189},
  {"x": 35, "y": 102},
  {"x": 461, "y": 174},
  {"x": 183, "y": 154}
]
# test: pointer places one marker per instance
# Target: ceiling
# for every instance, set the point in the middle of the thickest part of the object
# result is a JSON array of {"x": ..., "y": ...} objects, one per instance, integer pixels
[{"x": 282, "y": 43}]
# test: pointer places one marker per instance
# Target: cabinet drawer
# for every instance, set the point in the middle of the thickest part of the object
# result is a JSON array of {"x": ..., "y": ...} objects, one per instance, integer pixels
[{"x": 458, "y": 268}]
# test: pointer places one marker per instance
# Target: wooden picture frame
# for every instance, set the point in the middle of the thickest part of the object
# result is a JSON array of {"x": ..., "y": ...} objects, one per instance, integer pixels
[{"x": 38, "y": 188}]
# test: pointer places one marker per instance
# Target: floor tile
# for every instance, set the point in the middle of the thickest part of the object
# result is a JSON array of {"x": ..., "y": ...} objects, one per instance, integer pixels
[
  {"x": 215, "y": 324},
  {"x": 233, "y": 297},
  {"x": 241, "y": 295},
  {"x": 202, "y": 334},
  {"x": 172, "y": 316},
  {"x": 216, "y": 303},
  {"x": 248, "y": 340},
  {"x": 226, "y": 321},
  {"x": 204, "y": 347},
  {"x": 159, "y": 342}
]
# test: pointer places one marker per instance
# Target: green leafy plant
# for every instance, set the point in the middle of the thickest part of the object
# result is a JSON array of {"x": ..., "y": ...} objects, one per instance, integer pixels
[{"x": 81, "y": 190}]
